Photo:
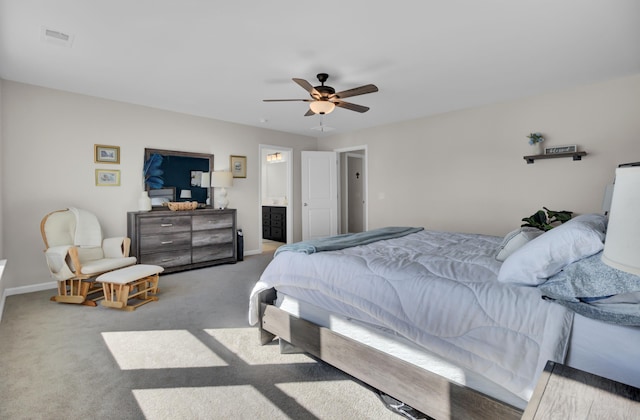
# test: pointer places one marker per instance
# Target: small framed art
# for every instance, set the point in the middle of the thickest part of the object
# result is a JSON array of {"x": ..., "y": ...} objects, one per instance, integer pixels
[
  {"x": 560, "y": 149},
  {"x": 196, "y": 179},
  {"x": 238, "y": 166},
  {"x": 107, "y": 178},
  {"x": 106, "y": 154}
]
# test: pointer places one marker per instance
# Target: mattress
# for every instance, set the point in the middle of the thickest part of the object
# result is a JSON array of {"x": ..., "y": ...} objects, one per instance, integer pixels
[{"x": 417, "y": 285}]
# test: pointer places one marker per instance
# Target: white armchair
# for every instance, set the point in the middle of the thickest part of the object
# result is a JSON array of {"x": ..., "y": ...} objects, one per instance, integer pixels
[{"x": 76, "y": 253}]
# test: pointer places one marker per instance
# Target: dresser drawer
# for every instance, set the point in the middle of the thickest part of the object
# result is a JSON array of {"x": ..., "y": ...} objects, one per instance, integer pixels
[
  {"x": 210, "y": 237},
  {"x": 213, "y": 252},
  {"x": 212, "y": 221},
  {"x": 167, "y": 259},
  {"x": 167, "y": 242},
  {"x": 168, "y": 224}
]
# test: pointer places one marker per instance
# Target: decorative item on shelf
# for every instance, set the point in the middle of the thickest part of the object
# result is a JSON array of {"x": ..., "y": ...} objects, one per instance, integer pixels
[
  {"x": 182, "y": 205},
  {"x": 560, "y": 149},
  {"x": 144, "y": 202},
  {"x": 622, "y": 244},
  {"x": 536, "y": 139},
  {"x": 220, "y": 181}
]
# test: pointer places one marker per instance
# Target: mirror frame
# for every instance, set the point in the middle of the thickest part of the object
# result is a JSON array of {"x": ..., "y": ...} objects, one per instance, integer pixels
[{"x": 148, "y": 152}]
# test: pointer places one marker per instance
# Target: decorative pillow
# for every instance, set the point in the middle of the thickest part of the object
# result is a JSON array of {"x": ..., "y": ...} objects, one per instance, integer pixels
[
  {"x": 516, "y": 239},
  {"x": 546, "y": 255}
]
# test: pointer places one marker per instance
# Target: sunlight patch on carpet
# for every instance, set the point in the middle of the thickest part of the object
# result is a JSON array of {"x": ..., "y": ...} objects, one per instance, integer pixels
[
  {"x": 159, "y": 350},
  {"x": 341, "y": 400},
  {"x": 245, "y": 344},
  {"x": 230, "y": 402}
]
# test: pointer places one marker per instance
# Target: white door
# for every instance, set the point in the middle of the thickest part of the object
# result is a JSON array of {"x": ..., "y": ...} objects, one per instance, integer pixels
[{"x": 319, "y": 194}]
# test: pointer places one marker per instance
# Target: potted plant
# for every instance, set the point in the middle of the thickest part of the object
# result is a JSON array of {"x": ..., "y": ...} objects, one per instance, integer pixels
[
  {"x": 547, "y": 221},
  {"x": 536, "y": 139}
]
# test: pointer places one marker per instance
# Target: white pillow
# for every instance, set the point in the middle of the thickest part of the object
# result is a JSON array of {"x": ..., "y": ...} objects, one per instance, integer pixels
[
  {"x": 546, "y": 255},
  {"x": 516, "y": 239}
]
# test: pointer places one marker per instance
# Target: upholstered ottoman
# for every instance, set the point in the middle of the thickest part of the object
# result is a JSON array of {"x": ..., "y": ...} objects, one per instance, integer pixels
[{"x": 137, "y": 281}]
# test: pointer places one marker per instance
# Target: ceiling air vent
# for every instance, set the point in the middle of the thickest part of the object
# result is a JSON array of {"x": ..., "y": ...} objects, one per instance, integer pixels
[{"x": 52, "y": 36}]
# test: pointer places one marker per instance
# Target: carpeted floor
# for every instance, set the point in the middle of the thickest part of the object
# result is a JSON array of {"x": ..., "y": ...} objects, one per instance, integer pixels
[{"x": 191, "y": 355}]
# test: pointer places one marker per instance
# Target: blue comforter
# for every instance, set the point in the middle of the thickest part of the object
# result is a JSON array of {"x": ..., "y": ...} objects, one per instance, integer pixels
[{"x": 348, "y": 240}]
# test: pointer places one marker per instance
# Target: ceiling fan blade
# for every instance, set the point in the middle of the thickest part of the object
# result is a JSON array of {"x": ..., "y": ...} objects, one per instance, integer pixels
[
  {"x": 355, "y": 91},
  {"x": 287, "y": 100},
  {"x": 308, "y": 87},
  {"x": 309, "y": 113},
  {"x": 350, "y": 106}
]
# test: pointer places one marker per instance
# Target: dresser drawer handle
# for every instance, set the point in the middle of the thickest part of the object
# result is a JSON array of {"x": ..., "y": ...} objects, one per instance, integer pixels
[
  {"x": 166, "y": 242},
  {"x": 167, "y": 259},
  {"x": 166, "y": 224}
]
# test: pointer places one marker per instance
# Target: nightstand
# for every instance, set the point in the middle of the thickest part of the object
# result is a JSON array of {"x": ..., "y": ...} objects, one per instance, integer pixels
[{"x": 566, "y": 393}]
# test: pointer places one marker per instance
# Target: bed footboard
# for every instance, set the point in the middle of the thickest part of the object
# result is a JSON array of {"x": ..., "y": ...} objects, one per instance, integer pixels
[{"x": 425, "y": 391}]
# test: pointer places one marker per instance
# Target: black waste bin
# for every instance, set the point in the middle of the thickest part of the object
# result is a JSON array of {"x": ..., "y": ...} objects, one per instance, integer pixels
[{"x": 240, "y": 245}]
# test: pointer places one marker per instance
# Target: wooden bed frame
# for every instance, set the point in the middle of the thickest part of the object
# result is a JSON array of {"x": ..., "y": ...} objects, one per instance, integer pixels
[{"x": 425, "y": 391}]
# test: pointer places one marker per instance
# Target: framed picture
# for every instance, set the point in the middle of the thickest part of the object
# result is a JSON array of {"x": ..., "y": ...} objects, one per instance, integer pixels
[
  {"x": 107, "y": 178},
  {"x": 196, "y": 179},
  {"x": 106, "y": 154},
  {"x": 560, "y": 149},
  {"x": 238, "y": 166}
]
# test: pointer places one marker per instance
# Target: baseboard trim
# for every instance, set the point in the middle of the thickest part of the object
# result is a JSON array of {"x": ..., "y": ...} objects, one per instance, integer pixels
[
  {"x": 30, "y": 288},
  {"x": 25, "y": 289}
]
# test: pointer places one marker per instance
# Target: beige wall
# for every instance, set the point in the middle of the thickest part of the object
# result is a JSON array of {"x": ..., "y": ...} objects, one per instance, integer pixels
[
  {"x": 463, "y": 171},
  {"x": 49, "y": 137}
]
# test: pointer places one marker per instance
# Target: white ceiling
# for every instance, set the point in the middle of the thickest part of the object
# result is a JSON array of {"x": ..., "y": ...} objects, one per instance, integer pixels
[{"x": 219, "y": 59}]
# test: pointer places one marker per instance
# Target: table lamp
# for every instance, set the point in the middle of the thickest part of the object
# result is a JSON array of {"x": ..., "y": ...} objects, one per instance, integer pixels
[
  {"x": 622, "y": 243},
  {"x": 220, "y": 181}
]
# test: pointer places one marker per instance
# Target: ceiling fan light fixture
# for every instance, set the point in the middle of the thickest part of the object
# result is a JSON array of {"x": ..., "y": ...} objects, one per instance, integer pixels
[{"x": 322, "y": 107}]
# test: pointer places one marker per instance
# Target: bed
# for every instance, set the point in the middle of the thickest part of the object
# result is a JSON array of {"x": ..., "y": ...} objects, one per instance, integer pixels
[{"x": 453, "y": 324}]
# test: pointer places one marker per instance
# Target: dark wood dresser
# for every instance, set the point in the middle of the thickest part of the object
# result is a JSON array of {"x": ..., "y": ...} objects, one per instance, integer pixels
[
  {"x": 274, "y": 223},
  {"x": 182, "y": 240}
]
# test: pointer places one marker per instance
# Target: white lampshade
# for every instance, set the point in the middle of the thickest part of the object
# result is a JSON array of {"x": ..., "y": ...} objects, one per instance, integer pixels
[
  {"x": 185, "y": 194},
  {"x": 322, "y": 106},
  {"x": 221, "y": 179},
  {"x": 622, "y": 243}
]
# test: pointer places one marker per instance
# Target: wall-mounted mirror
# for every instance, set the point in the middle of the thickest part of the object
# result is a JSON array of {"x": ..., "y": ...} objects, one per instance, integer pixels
[{"x": 172, "y": 175}]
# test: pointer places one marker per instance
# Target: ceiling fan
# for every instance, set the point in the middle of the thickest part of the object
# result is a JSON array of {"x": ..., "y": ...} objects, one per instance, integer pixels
[{"x": 324, "y": 99}]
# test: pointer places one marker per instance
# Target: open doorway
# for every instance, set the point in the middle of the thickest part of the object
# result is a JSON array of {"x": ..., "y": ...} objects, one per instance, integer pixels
[
  {"x": 276, "y": 186},
  {"x": 353, "y": 189}
]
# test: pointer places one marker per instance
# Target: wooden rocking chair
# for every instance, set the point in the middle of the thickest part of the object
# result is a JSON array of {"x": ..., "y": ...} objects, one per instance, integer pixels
[{"x": 76, "y": 254}]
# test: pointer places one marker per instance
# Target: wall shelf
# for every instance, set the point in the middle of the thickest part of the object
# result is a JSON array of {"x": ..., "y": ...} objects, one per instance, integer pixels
[{"x": 574, "y": 155}]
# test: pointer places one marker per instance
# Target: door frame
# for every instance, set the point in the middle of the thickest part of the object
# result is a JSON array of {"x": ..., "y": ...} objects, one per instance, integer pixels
[
  {"x": 348, "y": 155},
  {"x": 365, "y": 156},
  {"x": 263, "y": 149}
]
